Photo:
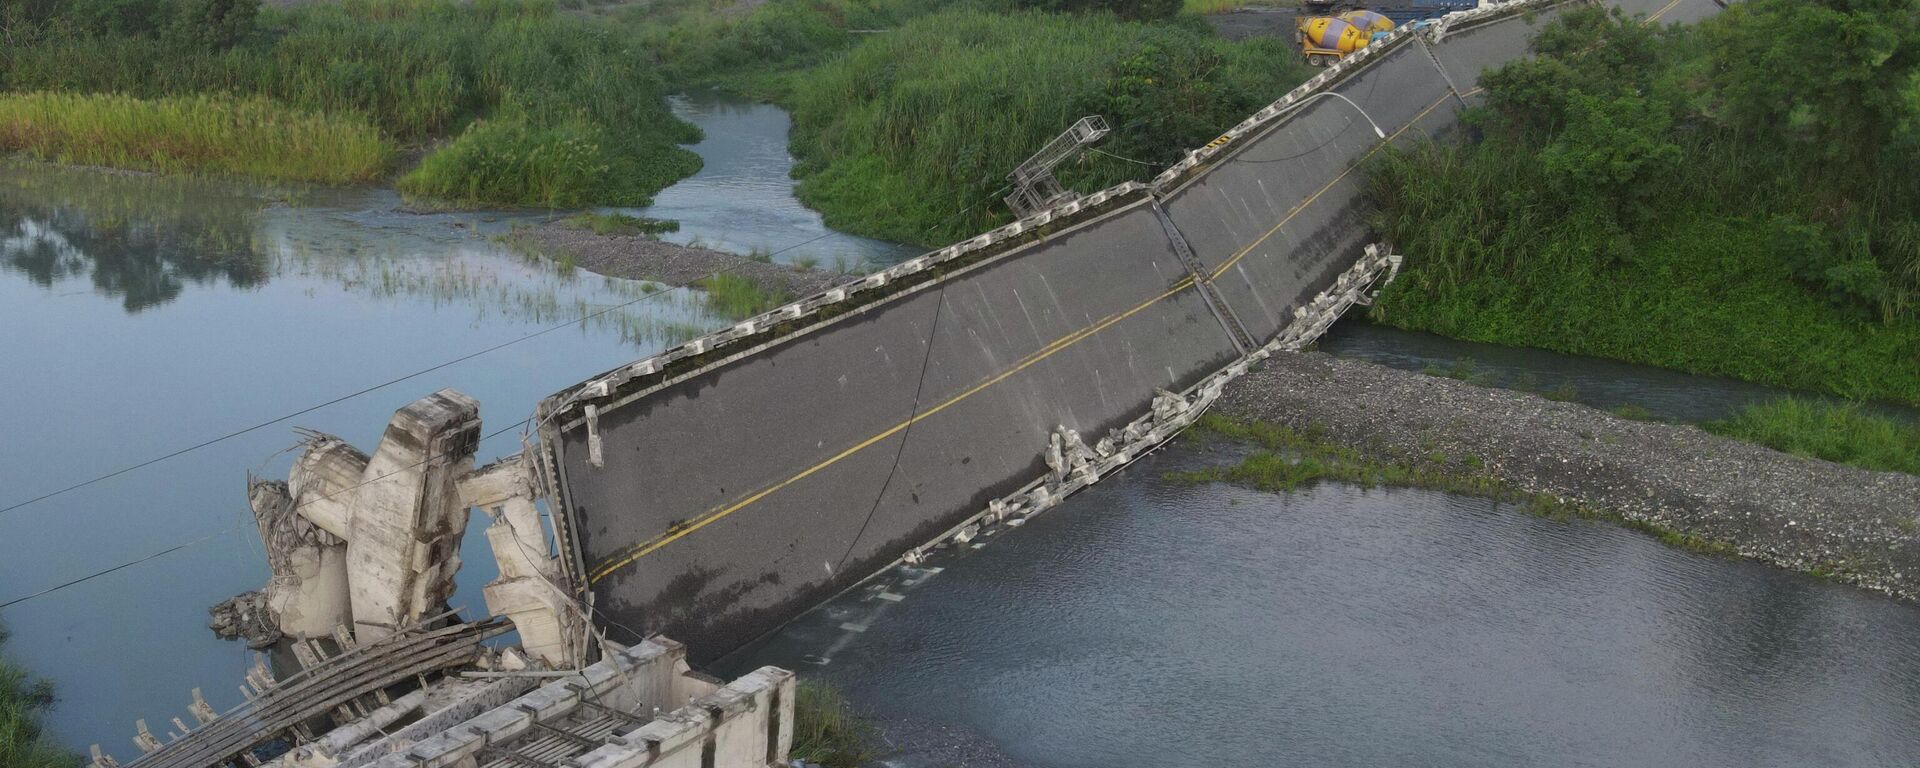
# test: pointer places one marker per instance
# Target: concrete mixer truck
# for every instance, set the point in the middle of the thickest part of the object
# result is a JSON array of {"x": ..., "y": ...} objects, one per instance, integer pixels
[
  {"x": 1325, "y": 39},
  {"x": 1343, "y": 28}
]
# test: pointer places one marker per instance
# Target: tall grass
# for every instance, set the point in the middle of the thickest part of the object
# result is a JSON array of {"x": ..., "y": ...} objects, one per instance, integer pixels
[
  {"x": 909, "y": 136},
  {"x": 759, "y": 49},
  {"x": 826, "y": 731},
  {"x": 1842, "y": 433},
  {"x": 738, "y": 298},
  {"x": 574, "y": 111},
  {"x": 250, "y": 136},
  {"x": 22, "y": 742}
]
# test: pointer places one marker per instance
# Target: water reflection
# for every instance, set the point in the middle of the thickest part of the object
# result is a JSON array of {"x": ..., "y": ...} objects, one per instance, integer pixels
[
  {"x": 145, "y": 314},
  {"x": 141, "y": 240},
  {"x": 1149, "y": 624}
]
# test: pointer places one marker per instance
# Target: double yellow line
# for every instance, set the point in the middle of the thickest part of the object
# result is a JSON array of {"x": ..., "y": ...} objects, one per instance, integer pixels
[
  {"x": 642, "y": 549},
  {"x": 1302, "y": 206},
  {"x": 627, "y": 556}
]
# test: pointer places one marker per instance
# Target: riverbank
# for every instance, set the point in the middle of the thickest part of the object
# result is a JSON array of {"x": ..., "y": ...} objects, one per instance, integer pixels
[
  {"x": 1713, "y": 492},
  {"x": 1633, "y": 195},
  {"x": 636, "y": 256},
  {"x": 508, "y": 103}
]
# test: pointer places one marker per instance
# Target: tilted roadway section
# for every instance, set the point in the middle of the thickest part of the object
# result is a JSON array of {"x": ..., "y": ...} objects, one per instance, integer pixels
[{"x": 714, "y": 491}]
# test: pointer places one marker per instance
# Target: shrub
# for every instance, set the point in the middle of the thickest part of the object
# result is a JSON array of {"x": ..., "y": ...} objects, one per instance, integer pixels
[
  {"x": 910, "y": 135},
  {"x": 1616, "y": 206}
]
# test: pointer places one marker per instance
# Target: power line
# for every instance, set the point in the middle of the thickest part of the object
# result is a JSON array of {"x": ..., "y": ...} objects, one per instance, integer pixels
[
  {"x": 232, "y": 528},
  {"x": 310, "y": 409},
  {"x": 1099, "y": 151}
]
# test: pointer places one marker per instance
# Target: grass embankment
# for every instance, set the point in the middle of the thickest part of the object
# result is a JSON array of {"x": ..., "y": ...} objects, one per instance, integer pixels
[
  {"x": 1683, "y": 198},
  {"x": 193, "y": 134},
  {"x": 910, "y": 135},
  {"x": 22, "y": 742},
  {"x": 523, "y": 104},
  {"x": 1841, "y": 433},
  {"x": 1287, "y": 459}
]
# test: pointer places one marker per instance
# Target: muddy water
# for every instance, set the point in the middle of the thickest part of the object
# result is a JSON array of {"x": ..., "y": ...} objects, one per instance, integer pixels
[{"x": 1145, "y": 623}]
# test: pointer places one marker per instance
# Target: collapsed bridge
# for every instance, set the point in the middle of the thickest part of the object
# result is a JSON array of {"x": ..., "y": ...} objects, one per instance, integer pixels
[{"x": 716, "y": 490}]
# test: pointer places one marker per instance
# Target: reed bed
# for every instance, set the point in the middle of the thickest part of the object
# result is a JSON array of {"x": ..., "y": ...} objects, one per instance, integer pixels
[
  {"x": 207, "y": 134},
  {"x": 1845, "y": 433},
  {"x": 545, "y": 108}
]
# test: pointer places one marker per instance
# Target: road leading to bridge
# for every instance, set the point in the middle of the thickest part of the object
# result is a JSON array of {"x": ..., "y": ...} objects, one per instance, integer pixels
[{"x": 718, "y": 489}]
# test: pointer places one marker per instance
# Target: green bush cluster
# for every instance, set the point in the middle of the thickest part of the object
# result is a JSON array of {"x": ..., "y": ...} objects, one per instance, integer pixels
[
  {"x": 545, "y": 107},
  {"x": 1637, "y": 192},
  {"x": 194, "y": 24},
  {"x": 909, "y": 136}
]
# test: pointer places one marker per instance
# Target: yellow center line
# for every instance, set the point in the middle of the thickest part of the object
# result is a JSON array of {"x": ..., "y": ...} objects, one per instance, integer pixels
[
  {"x": 645, "y": 548},
  {"x": 642, "y": 549},
  {"x": 1663, "y": 11},
  {"x": 1295, "y": 211}
]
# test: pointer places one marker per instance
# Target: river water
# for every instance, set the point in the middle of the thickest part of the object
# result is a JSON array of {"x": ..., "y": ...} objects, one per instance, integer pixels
[
  {"x": 1149, "y": 623},
  {"x": 1140, "y": 624}
]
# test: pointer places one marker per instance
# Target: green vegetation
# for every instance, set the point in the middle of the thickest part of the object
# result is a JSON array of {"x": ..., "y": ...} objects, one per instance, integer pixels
[
  {"x": 193, "y": 134},
  {"x": 736, "y": 297},
  {"x": 759, "y": 49},
  {"x": 620, "y": 224},
  {"x": 1842, "y": 433},
  {"x": 543, "y": 107},
  {"x": 826, "y": 731},
  {"x": 22, "y": 743},
  {"x": 1288, "y": 459},
  {"x": 1707, "y": 199},
  {"x": 910, "y": 135}
]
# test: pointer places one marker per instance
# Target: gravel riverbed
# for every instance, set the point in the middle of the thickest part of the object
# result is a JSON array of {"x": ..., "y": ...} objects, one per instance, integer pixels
[
  {"x": 643, "y": 257},
  {"x": 1857, "y": 525}
]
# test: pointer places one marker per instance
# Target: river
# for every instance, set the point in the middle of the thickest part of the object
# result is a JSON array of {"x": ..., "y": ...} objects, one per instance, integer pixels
[{"x": 1141, "y": 623}]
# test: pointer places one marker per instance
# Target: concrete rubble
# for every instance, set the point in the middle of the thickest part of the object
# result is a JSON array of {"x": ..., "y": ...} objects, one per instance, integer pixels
[{"x": 363, "y": 550}]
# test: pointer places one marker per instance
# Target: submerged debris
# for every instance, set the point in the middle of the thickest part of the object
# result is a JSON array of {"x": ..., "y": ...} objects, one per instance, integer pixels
[{"x": 245, "y": 617}]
